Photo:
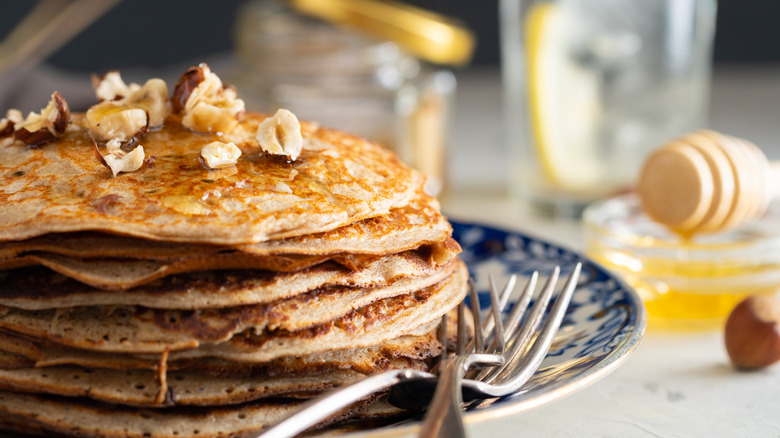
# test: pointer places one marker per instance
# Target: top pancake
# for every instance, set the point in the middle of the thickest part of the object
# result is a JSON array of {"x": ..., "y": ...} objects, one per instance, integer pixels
[
  {"x": 62, "y": 187},
  {"x": 417, "y": 223}
]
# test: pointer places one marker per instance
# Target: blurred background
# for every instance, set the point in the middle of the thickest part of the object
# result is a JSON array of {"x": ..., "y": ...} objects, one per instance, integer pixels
[
  {"x": 157, "y": 34},
  {"x": 145, "y": 38}
]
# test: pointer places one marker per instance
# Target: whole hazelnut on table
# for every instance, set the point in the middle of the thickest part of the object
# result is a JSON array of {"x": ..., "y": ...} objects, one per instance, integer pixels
[{"x": 753, "y": 332}]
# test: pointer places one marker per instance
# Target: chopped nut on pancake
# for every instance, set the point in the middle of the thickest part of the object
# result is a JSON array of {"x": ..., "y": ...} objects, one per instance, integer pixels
[
  {"x": 37, "y": 129},
  {"x": 205, "y": 103},
  {"x": 219, "y": 155},
  {"x": 111, "y": 120},
  {"x": 12, "y": 118},
  {"x": 152, "y": 97},
  {"x": 281, "y": 135},
  {"x": 119, "y": 161}
]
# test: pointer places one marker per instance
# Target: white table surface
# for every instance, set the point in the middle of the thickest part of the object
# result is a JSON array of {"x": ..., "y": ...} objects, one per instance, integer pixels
[{"x": 676, "y": 384}]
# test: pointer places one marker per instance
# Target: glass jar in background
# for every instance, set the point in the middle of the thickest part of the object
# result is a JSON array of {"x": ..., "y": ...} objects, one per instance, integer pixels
[
  {"x": 592, "y": 86},
  {"x": 345, "y": 80}
]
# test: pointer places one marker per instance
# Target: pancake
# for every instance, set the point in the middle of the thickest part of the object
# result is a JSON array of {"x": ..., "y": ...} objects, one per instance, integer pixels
[
  {"x": 12, "y": 361},
  {"x": 15, "y": 426},
  {"x": 38, "y": 288},
  {"x": 61, "y": 416},
  {"x": 118, "y": 274},
  {"x": 183, "y": 388},
  {"x": 307, "y": 325},
  {"x": 415, "y": 224},
  {"x": 140, "y": 388},
  {"x": 136, "y": 329},
  {"x": 337, "y": 180},
  {"x": 380, "y": 320},
  {"x": 16, "y": 345},
  {"x": 418, "y": 344},
  {"x": 102, "y": 255}
]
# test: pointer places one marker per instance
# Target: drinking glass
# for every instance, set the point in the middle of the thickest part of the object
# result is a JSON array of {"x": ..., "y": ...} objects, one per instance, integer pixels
[{"x": 592, "y": 86}]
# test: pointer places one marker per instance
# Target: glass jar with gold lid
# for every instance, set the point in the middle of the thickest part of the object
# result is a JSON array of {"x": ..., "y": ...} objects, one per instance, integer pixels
[{"x": 345, "y": 79}]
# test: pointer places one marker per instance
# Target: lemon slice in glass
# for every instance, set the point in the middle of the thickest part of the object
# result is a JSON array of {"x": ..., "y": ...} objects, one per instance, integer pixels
[{"x": 563, "y": 102}]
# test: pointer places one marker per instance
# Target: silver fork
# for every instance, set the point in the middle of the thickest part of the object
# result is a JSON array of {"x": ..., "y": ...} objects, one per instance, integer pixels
[
  {"x": 517, "y": 352},
  {"x": 502, "y": 348}
]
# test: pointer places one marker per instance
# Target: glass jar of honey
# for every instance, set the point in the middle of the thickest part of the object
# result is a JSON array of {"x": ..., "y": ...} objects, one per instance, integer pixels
[{"x": 689, "y": 283}]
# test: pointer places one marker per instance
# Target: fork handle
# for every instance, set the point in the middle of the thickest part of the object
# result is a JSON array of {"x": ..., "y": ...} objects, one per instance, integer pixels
[
  {"x": 443, "y": 419},
  {"x": 330, "y": 403}
]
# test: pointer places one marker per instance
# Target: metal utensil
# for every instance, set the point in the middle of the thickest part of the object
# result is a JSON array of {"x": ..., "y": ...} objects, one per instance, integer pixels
[
  {"x": 518, "y": 354},
  {"x": 506, "y": 341}
]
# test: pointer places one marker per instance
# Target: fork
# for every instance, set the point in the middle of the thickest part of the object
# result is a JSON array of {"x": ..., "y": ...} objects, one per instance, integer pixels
[
  {"x": 514, "y": 358},
  {"x": 501, "y": 349}
]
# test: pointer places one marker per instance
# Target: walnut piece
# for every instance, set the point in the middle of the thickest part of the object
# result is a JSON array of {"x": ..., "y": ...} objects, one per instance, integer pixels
[
  {"x": 37, "y": 129},
  {"x": 218, "y": 155},
  {"x": 110, "y": 86},
  {"x": 152, "y": 97},
  {"x": 120, "y": 161},
  {"x": 113, "y": 120},
  {"x": 113, "y": 145},
  {"x": 205, "y": 103},
  {"x": 281, "y": 134},
  {"x": 12, "y": 118}
]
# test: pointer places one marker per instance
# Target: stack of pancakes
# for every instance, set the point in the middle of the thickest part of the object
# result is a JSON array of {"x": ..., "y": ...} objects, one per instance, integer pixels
[{"x": 181, "y": 301}]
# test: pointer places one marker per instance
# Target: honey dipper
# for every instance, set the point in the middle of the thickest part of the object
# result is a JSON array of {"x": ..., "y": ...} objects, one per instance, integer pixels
[{"x": 706, "y": 182}]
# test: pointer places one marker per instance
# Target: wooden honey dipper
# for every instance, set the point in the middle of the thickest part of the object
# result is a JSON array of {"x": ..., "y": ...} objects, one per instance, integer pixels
[{"x": 706, "y": 182}]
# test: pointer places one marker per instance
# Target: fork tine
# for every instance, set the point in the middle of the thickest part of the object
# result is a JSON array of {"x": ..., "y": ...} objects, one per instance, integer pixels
[
  {"x": 534, "y": 318},
  {"x": 506, "y": 292},
  {"x": 461, "y": 343},
  {"x": 519, "y": 308},
  {"x": 443, "y": 337},
  {"x": 495, "y": 309},
  {"x": 530, "y": 360},
  {"x": 521, "y": 305},
  {"x": 479, "y": 336},
  {"x": 487, "y": 324},
  {"x": 523, "y": 337}
]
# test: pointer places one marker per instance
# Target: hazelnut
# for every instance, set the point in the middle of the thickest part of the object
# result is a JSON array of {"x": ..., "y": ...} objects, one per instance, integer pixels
[
  {"x": 37, "y": 129},
  {"x": 281, "y": 134},
  {"x": 115, "y": 120},
  {"x": 184, "y": 87},
  {"x": 205, "y": 103},
  {"x": 119, "y": 161},
  {"x": 752, "y": 332},
  {"x": 110, "y": 86},
  {"x": 218, "y": 155},
  {"x": 113, "y": 145},
  {"x": 152, "y": 97},
  {"x": 12, "y": 118},
  {"x": 6, "y": 127}
]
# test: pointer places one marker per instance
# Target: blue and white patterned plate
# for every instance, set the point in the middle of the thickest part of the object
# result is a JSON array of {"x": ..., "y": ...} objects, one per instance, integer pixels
[{"x": 604, "y": 323}]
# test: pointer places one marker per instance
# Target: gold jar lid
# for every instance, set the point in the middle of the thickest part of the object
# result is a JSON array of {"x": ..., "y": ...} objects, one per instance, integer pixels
[{"x": 430, "y": 36}]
